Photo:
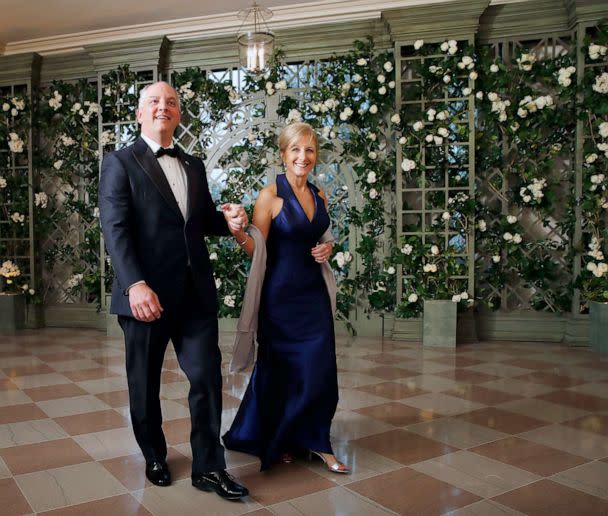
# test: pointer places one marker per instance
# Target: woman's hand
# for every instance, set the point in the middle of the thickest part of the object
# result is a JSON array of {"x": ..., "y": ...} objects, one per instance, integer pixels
[{"x": 322, "y": 252}]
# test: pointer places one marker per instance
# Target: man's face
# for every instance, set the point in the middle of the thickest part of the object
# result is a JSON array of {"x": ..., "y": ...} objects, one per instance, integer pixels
[{"x": 159, "y": 115}]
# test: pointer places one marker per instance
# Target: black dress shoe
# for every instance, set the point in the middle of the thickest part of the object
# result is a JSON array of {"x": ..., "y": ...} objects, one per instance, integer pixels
[
  {"x": 158, "y": 473},
  {"x": 220, "y": 482}
]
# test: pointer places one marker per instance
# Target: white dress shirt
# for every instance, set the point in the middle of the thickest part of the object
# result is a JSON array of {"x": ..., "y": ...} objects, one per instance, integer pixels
[{"x": 175, "y": 174}]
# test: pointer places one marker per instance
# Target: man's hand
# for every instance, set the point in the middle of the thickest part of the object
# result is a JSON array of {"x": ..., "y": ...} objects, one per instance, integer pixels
[
  {"x": 235, "y": 216},
  {"x": 144, "y": 303}
]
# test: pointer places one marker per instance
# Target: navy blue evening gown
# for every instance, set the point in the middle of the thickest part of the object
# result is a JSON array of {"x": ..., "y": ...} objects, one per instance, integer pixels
[{"x": 293, "y": 391}]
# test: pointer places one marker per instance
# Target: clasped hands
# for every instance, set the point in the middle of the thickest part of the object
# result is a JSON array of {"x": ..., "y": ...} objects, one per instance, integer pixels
[
  {"x": 322, "y": 252},
  {"x": 236, "y": 217},
  {"x": 144, "y": 302}
]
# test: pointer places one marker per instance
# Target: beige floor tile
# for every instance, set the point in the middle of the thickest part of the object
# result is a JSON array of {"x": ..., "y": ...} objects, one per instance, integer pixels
[
  {"x": 591, "y": 478},
  {"x": 118, "y": 505},
  {"x": 398, "y": 414},
  {"x": 108, "y": 444},
  {"x": 429, "y": 383},
  {"x": 73, "y": 365},
  {"x": 593, "y": 389},
  {"x": 72, "y": 406},
  {"x": 234, "y": 459},
  {"x": 519, "y": 387},
  {"x": 19, "y": 361},
  {"x": 69, "y": 485},
  {"x": 351, "y": 399},
  {"x": 594, "y": 423},
  {"x": 350, "y": 380},
  {"x": 331, "y": 502},
  {"x": 442, "y": 404},
  {"x": 498, "y": 369},
  {"x": 175, "y": 390},
  {"x": 116, "y": 383},
  {"x": 456, "y": 432},
  {"x": 182, "y": 498},
  {"x": 543, "y": 410},
  {"x": 588, "y": 374},
  {"x": 13, "y": 397},
  {"x": 30, "y": 432},
  {"x": 40, "y": 380},
  {"x": 348, "y": 425},
  {"x": 576, "y": 442},
  {"x": 4, "y": 471},
  {"x": 475, "y": 474},
  {"x": 485, "y": 508}
]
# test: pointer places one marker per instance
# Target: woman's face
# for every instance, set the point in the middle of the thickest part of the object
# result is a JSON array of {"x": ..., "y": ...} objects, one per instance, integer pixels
[{"x": 300, "y": 156}]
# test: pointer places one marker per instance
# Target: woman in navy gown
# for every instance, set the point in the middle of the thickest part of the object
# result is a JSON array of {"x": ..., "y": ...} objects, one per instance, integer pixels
[{"x": 293, "y": 391}]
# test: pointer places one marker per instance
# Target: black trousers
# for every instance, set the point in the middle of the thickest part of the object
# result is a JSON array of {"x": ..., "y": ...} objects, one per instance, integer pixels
[{"x": 195, "y": 339}]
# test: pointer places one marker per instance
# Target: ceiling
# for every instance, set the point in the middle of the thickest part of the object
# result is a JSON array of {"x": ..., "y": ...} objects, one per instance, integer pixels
[
  {"x": 61, "y": 25},
  {"x": 32, "y": 19}
]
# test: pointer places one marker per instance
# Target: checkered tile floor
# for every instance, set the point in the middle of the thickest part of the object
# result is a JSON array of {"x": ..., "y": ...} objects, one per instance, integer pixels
[{"x": 492, "y": 429}]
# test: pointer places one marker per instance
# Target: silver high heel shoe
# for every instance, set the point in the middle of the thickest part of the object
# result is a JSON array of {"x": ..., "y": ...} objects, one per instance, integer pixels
[{"x": 336, "y": 467}]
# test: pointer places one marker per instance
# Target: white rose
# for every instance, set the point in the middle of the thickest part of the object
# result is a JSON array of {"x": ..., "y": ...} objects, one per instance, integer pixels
[
  {"x": 418, "y": 126},
  {"x": 382, "y": 90},
  {"x": 371, "y": 177},
  {"x": 218, "y": 283},
  {"x": 388, "y": 66},
  {"x": 402, "y": 140},
  {"x": 473, "y": 75},
  {"x": 372, "y": 155},
  {"x": 444, "y": 46},
  {"x": 511, "y": 219},
  {"x": 361, "y": 61},
  {"x": 58, "y": 164},
  {"x": 381, "y": 79},
  {"x": 496, "y": 258},
  {"x": 466, "y": 92},
  {"x": 357, "y": 77},
  {"x": 6, "y": 106},
  {"x": 428, "y": 138},
  {"x": 443, "y": 132},
  {"x": 229, "y": 301},
  {"x": 418, "y": 44},
  {"x": 494, "y": 68},
  {"x": 479, "y": 95},
  {"x": 603, "y": 129},
  {"x": 407, "y": 249},
  {"x": 397, "y": 119},
  {"x": 391, "y": 270},
  {"x": 391, "y": 85},
  {"x": 517, "y": 238},
  {"x": 508, "y": 236},
  {"x": 373, "y": 193},
  {"x": 408, "y": 164},
  {"x": 434, "y": 250},
  {"x": 412, "y": 298},
  {"x": 482, "y": 225},
  {"x": 447, "y": 79},
  {"x": 445, "y": 215},
  {"x": 373, "y": 109},
  {"x": 213, "y": 256},
  {"x": 456, "y": 298}
]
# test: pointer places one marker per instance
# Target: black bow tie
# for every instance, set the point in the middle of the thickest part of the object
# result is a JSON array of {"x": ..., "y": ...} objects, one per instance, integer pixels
[{"x": 173, "y": 152}]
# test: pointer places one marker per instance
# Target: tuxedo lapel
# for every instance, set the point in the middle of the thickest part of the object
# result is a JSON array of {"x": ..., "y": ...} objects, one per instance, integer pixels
[
  {"x": 148, "y": 162},
  {"x": 194, "y": 182}
]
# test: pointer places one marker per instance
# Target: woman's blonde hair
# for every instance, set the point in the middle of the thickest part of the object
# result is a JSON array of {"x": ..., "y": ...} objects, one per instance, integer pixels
[{"x": 295, "y": 131}]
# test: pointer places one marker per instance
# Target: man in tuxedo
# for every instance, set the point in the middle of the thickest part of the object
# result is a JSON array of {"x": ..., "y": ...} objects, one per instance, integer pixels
[{"x": 155, "y": 209}]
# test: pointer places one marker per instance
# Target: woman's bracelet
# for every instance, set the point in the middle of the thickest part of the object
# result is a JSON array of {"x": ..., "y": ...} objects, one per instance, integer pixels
[{"x": 244, "y": 241}]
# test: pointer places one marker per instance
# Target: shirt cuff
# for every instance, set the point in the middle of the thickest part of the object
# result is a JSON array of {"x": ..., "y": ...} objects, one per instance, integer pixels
[{"x": 140, "y": 282}]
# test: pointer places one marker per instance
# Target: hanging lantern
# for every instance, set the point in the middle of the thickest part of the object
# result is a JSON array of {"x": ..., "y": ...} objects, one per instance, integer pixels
[{"x": 256, "y": 45}]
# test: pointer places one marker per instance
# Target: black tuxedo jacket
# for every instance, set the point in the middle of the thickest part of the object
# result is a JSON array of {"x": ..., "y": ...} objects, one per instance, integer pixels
[{"x": 145, "y": 232}]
